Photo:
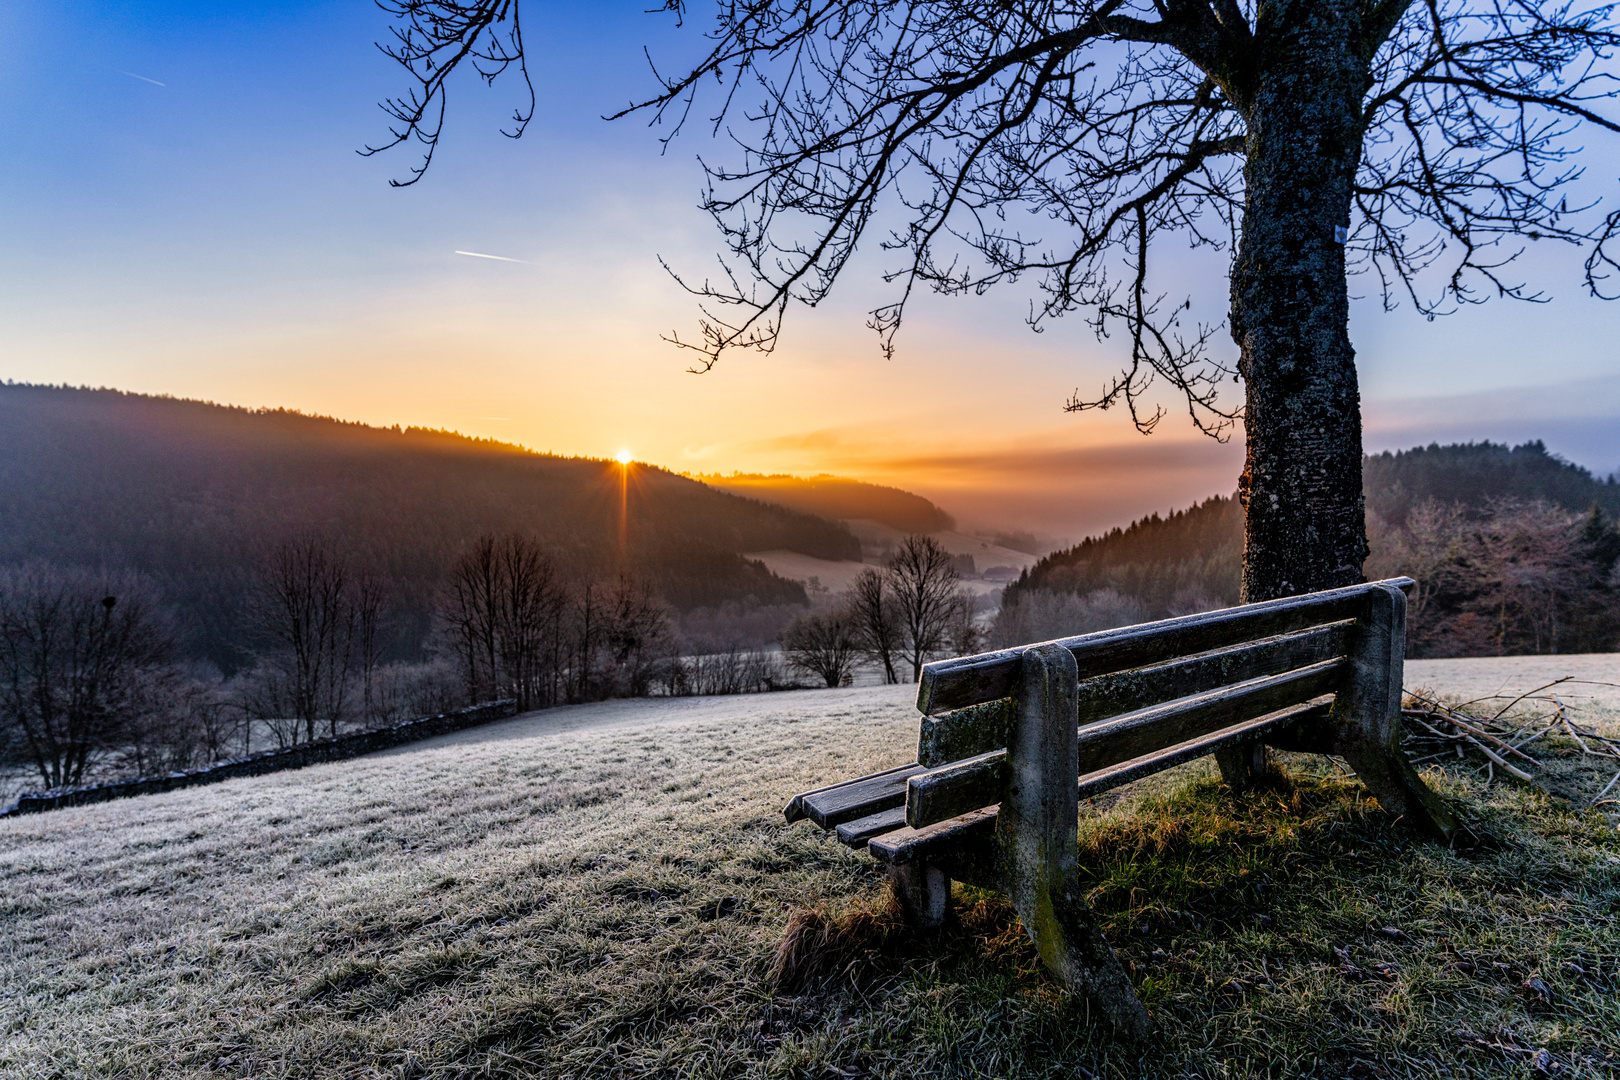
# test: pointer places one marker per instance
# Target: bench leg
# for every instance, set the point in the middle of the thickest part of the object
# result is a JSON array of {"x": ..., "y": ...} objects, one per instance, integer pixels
[
  {"x": 1038, "y": 829},
  {"x": 1369, "y": 720},
  {"x": 1242, "y": 766},
  {"x": 924, "y": 891}
]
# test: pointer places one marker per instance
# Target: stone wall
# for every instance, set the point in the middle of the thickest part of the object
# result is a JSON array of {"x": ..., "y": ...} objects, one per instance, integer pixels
[{"x": 344, "y": 746}]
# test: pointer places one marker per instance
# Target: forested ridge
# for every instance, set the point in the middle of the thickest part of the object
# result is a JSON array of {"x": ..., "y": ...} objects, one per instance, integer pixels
[
  {"x": 191, "y": 495},
  {"x": 1514, "y": 548},
  {"x": 838, "y": 497}
]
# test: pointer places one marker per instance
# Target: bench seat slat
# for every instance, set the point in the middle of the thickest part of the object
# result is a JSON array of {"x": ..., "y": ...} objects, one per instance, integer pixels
[
  {"x": 856, "y": 833},
  {"x": 868, "y": 795},
  {"x": 979, "y": 729},
  {"x": 937, "y": 841},
  {"x": 794, "y": 810},
  {"x": 906, "y": 844},
  {"x": 973, "y": 680},
  {"x": 956, "y": 788},
  {"x": 938, "y": 794}
]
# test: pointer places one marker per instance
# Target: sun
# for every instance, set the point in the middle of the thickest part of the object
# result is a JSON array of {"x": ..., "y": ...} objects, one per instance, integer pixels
[{"x": 622, "y": 457}]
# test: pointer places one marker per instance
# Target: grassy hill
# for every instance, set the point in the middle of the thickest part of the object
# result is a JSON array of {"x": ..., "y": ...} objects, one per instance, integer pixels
[
  {"x": 597, "y": 891},
  {"x": 191, "y": 495}
]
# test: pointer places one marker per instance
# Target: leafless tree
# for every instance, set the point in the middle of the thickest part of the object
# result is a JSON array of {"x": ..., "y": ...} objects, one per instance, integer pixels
[
  {"x": 927, "y": 595},
  {"x": 368, "y": 615},
  {"x": 638, "y": 634},
  {"x": 823, "y": 644},
  {"x": 472, "y": 608},
  {"x": 78, "y": 655},
  {"x": 308, "y": 610},
  {"x": 876, "y": 620},
  {"x": 505, "y": 605},
  {"x": 1423, "y": 143},
  {"x": 1514, "y": 577}
]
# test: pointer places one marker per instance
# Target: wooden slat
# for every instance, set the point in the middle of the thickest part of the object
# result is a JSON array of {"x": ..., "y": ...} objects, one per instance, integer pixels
[
  {"x": 1142, "y": 732},
  {"x": 868, "y": 795},
  {"x": 1158, "y": 761},
  {"x": 1140, "y": 688},
  {"x": 980, "y": 729},
  {"x": 937, "y": 841},
  {"x": 955, "y": 789},
  {"x": 906, "y": 844},
  {"x": 938, "y": 794},
  {"x": 964, "y": 733},
  {"x": 856, "y": 833},
  {"x": 794, "y": 810},
  {"x": 973, "y": 680}
]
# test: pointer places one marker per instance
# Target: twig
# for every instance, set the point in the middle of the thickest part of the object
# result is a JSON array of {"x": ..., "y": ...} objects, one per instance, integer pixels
[
  {"x": 1482, "y": 733},
  {"x": 1520, "y": 773},
  {"x": 1528, "y": 739},
  {"x": 1576, "y": 736},
  {"x": 1527, "y": 693},
  {"x": 1599, "y": 796}
]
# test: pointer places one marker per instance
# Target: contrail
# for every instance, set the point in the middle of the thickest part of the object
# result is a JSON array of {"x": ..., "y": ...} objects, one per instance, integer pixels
[
  {"x": 143, "y": 78},
  {"x": 481, "y": 255}
]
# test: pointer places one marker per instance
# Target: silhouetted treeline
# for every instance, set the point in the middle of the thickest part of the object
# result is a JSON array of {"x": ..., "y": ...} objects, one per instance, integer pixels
[
  {"x": 1506, "y": 560},
  {"x": 1474, "y": 474},
  {"x": 192, "y": 496}
]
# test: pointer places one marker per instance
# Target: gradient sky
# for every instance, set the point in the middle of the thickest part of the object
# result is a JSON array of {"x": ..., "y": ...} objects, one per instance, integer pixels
[{"x": 217, "y": 237}]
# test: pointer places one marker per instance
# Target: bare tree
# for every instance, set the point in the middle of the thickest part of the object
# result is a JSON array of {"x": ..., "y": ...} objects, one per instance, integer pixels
[
  {"x": 78, "y": 655},
  {"x": 506, "y": 605},
  {"x": 1425, "y": 144},
  {"x": 823, "y": 644},
  {"x": 368, "y": 615},
  {"x": 471, "y": 608},
  {"x": 638, "y": 634},
  {"x": 308, "y": 609},
  {"x": 927, "y": 596},
  {"x": 876, "y": 621}
]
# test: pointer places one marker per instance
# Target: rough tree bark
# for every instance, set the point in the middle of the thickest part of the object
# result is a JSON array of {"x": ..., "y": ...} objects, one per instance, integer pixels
[{"x": 1301, "y": 485}]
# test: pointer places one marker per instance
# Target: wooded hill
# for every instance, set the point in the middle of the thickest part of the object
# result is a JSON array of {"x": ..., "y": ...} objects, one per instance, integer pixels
[
  {"x": 838, "y": 497},
  {"x": 191, "y": 495},
  {"x": 1485, "y": 527},
  {"x": 1474, "y": 474}
]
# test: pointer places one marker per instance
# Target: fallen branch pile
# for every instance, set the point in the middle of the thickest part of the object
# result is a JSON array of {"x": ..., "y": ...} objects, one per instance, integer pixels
[{"x": 1436, "y": 730}]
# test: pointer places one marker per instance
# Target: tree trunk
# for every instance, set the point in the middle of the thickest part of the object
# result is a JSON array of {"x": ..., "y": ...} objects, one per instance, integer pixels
[{"x": 1301, "y": 485}]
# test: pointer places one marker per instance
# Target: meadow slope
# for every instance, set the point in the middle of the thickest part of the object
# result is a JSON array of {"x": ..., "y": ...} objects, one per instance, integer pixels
[{"x": 598, "y": 891}]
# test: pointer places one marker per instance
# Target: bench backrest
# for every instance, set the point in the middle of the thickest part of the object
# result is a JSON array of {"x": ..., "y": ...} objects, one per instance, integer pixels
[{"x": 1150, "y": 695}]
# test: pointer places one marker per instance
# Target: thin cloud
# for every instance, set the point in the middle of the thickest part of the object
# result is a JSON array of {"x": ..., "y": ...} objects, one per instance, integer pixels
[
  {"x": 497, "y": 258},
  {"x": 143, "y": 78}
]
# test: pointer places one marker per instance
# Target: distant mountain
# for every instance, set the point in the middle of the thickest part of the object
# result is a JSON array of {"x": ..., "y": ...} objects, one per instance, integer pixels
[
  {"x": 192, "y": 494},
  {"x": 838, "y": 497},
  {"x": 1200, "y": 549}
]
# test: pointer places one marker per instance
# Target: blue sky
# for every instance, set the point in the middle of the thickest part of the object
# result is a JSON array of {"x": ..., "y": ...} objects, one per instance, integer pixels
[{"x": 217, "y": 237}]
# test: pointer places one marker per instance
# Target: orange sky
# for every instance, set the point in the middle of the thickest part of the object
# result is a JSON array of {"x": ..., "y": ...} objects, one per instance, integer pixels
[{"x": 157, "y": 242}]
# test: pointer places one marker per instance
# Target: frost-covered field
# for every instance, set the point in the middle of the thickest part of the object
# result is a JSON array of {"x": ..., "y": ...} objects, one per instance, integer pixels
[{"x": 598, "y": 891}]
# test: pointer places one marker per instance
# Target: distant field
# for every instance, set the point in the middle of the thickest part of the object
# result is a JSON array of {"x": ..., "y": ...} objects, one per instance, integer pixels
[{"x": 597, "y": 891}]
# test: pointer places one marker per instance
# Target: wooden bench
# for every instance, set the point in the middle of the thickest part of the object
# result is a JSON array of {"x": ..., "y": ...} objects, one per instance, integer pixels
[{"x": 1012, "y": 740}]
